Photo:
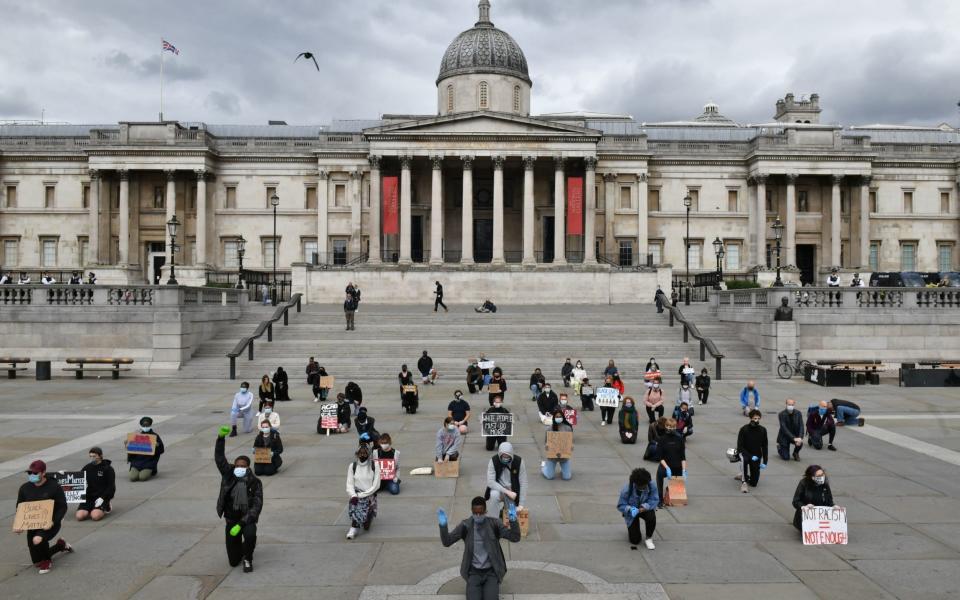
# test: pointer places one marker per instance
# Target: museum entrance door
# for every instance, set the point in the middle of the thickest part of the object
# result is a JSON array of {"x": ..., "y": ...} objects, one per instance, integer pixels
[
  {"x": 483, "y": 240},
  {"x": 806, "y": 261}
]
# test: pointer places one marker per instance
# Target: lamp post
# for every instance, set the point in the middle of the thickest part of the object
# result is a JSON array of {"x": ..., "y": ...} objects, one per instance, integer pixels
[
  {"x": 241, "y": 248},
  {"x": 718, "y": 251},
  {"x": 172, "y": 225},
  {"x": 688, "y": 202},
  {"x": 778, "y": 234},
  {"x": 274, "y": 201}
]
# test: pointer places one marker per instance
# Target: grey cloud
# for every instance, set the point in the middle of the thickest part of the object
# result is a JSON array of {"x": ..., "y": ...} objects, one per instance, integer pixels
[
  {"x": 175, "y": 68},
  {"x": 223, "y": 102},
  {"x": 14, "y": 103}
]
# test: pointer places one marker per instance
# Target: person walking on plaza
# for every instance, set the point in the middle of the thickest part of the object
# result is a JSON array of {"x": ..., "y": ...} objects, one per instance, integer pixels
[
  {"x": 548, "y": 468},
  {"x": 506, "y": 479},
  {"x": 350, "y": 305},
  {"x": 438, "y": 301},
  {"x": 483, "y": 565},
  {"x": 845, "y": 412},
  {"x": 281, "y": 385},
  {"x": 266, "y": 391},
  {"x": 673, "y": 456},
  {"x": 752, "y": 450},
  {"x": 425, "y": 366},
  {"x": 674, "y": 297},
  {"x": 449, "y": 442},
  {"x": 820, "y": 423},
  {"x": 745, "y": 393},
  {"x": 813, "y": 490},
  {"x": 703, "y": 386},
  {"x": 537, "y": 380},
  {"x": 268, "y": 438},
  {"x": 790, "y": 434},
  {"x": 459, "y": 411},
  {"x": 386, "y": 451},
  {"x": 37, "y": 488},
  {"x": 495, "y": 441},
  {"x": 101, "y": 487},
  {"x": 639, "y": 501},
  {"x": 363, "y": 483},
  {"x": 653, "y": 402},
  {"x": 566, "y": 372},
  {"x": 658, "y": 299},
  {"x": 239, "y": 504},
  {"x": 628, "y": 422},
  {"x": 242, "y": 408},
  {"x": 144, "y": 466}
]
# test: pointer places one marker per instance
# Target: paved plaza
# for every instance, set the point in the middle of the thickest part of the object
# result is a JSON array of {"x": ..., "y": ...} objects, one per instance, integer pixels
[{"x": 899, "y": 477}]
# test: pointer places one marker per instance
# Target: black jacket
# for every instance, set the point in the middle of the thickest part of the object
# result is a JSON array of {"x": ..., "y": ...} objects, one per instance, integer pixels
[
  {"x": 424, "y": 365},
  {"x": 353, "y": 393},
  {"x": 350, "y": 304},
  {"x": 254, "y": 487},
  {"x": 493, "y": 530},
  {"x": 810, "y": 493},
  {"x": 49, "y": 490},
  {"x": 791, "y": 426},
  {"x": 100, "y": 480},
  {"x": 752, "y": 441},
  {"x": 366, "y": 427},
  {"x": 405, "y": 379},
  {"x": 566, "y": 371},
  {"x": 537, "y": 379},
  {"x": 673, "y": 451},
  {"x": 547, "y": 402},
  {"x": 343, "y": 413},
  {"x": 702, "y": 382},
  {"x": 271, "y": 441},
  {"x": 838, "y": 402}
]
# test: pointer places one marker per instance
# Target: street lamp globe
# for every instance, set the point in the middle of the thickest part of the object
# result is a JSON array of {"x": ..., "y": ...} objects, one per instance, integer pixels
[
  {"x": 778, "y": 229},
  {"x": 172, "y": 225},
  {"x": 274, "y": 200},
  {"x": 717, "y": 246},
  {"x": 688, "y": 201},
  {"x": 241, "y": 245}
]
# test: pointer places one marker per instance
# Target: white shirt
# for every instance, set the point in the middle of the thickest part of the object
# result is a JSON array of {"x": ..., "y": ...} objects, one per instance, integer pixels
[
  {"x": 273, "y": 417},
  {"x": 47, "y": 280}
]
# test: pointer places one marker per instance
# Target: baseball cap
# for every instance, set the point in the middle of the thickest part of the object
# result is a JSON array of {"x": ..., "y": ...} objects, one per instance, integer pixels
[{"x": 37, "y": 466}]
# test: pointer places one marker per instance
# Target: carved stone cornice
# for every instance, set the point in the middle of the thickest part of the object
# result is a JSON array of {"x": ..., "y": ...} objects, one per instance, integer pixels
[
  {"x": 760, "y": 179},
  {"x": 642, "y": 177},
  {"x": 866, "y": 180},
  {"x": 202, "y": 174},
  {"x": 171, "y": 175},
  {"x": 323, "y": 174},
  {"x": 356, "y": 175},
  {"x": 609, "y": 177}
]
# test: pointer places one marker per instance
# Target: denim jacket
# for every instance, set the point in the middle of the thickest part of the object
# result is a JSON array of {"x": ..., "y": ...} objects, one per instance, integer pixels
[{"x": 630, "y": 497}]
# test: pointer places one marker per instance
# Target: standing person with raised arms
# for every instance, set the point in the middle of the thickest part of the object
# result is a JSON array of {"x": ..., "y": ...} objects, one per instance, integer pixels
[{"x": 239, "y": 504}]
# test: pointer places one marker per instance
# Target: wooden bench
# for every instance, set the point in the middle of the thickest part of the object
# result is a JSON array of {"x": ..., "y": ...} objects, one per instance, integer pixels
[
  {"x": 114, "y": 367},
  {"x": 13, "y": 361}
]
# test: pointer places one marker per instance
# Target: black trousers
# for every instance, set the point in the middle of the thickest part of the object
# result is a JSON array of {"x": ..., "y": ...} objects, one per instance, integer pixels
[
  {"x": 816, "y": 439},
  {"x": 649, "y": 518},
  {"x": 628, "y": 440},
  {"x": 41, "y": 552},
  {"x": 606, "y": 414},
  {"x": 653, "y": 413},
  {"x": 482, "y": 584},
  {"x": 242, "y": 545},
  {"x": 661, "y": 475},
  {"x": 439, "y": 302},
  {"x": 703, "y": 394},
  {"x": 261, "y": 469},
  {"x": 586, "y": 402},
  {"x": 751, "y": 471},
  {"x": 494, "y": 442}
]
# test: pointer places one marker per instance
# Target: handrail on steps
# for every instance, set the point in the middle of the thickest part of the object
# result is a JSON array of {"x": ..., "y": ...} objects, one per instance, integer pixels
[
  {"x": 247, "y": 342},
  {"x": 706, "y": 344}
]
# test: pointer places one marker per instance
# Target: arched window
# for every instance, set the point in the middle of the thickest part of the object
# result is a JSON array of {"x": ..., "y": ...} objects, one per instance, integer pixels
[
  {"x": 450, "y": 98},
  {"x": 484, "y": 96},
  {"x": 516, "y": 98}
]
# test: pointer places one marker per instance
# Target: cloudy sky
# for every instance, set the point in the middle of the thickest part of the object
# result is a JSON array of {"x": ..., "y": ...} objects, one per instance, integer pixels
[{"x": 97, "y": 61}]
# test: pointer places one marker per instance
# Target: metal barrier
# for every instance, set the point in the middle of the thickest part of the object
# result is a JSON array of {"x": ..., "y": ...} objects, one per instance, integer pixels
[
  {"x": 706, "y": 344},
  {"x": 265, "y": 326}
]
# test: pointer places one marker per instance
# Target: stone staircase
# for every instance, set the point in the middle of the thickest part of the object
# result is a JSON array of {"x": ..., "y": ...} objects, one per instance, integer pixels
[{"x": 518, "y": 338}]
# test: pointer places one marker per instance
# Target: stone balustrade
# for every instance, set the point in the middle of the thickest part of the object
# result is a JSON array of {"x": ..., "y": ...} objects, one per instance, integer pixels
[
  {"x": 112, "y": 295},
  {"x": 842, "y": 298}
]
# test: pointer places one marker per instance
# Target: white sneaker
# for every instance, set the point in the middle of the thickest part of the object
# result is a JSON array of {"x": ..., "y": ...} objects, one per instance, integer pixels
[
  {"x": 603, "y": 423},
  {"x": 352, "y": 533},
  {"x": 699, "y": 402},
  {"x": 744, "y": 488},
  {"x": 649, "y": 544},
  {"x": 316, "y": 399}
]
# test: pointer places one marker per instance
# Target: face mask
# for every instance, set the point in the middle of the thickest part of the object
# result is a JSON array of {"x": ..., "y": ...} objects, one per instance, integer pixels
[
  {"x": 671, "y": 429},
  {"x": 363, "y": 456},
  {"x": 822, "y": 411},
  {"x": 563, "y": 402},
  {"x": 820, "y": 480},
  {"x": 579, "y": 366},
  {"x": 239, "y": 472},
  {"x": 755, "y": 423},
  {"x": 451, "y": 427},
  {"x": 33, "y": 477},
  {"x": 459, "y": 397},
  {"x": 628, "y": 405},
  {"x": 265, "y": 430},
  {"x": 791, "y": 408},
  {"x": 385, "y": 446},
  {"x": 95, "y": 459},
  {"x": 243, "y": 390},
  {"x": 506, "y": 459},
  {"x": 267, "y": 410},
  {"x": 558, "y": 420},
  {"x": 145, "y": 429},
  {"x": 656, "y": 386},
  {"x": 497, "y": 404},
  {"x": 546, "y": 390},
  {"x": 478, "y": 519}
]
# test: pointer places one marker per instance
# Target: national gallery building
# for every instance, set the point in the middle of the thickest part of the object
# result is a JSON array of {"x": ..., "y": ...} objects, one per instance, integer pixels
[{"x": 482, "y": 190}]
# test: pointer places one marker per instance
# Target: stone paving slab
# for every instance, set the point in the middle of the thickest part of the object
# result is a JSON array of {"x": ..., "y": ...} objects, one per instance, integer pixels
[
  {"x": 690, "y": 562},
  {"x": 938, "y": 579},
  {"x": 700, "y": 591},
  {"x": 849, "y": 585}
]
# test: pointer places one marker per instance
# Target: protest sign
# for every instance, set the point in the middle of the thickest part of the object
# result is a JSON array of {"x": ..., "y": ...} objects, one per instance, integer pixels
[
  {"x": 326, "y": 382},
  {"x": 448, "y": 469},
  {"x": 409, "y": 389},
  {"x": 570, "y": 414},
  {"x": 652, "y": 375},
  {"x": 328, "y": 416},
  {"x": 494, "y": 388},
  {"x": 676, "y": 494},
  {"x": 559, "y": 444},
  {"x": 262, "y": 456},
  {"x": 608, "y": 397},
  {"x": 33, "y": 515},
  {"x": 388, "y": 469},
  {"x": 496, "y": 425},
  {"x": 523, "y": 520},
  {"x": 74, "y": 484},
  {"x": 485, "y": 364},
  {"x": 141, "y": 443},
  {"x": 824, "y": 525}
]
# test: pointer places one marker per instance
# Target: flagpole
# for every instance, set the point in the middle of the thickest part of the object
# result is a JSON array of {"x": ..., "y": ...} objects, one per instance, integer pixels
[{"x": 161, "y": 80}]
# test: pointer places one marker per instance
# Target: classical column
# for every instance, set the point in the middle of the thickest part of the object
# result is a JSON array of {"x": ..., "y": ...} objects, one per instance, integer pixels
[
  {"x": 835, "y": 220},
  {"x": 761, "y": 220},
  {"x": 124, "y": 217},
  {"x": 609, "y": 210},
  {"x": 590, "y": 211},
  {"x": 323, "y": 201},
  {"x": 790, "y": 230},
  {"x": 528, "y": 210},
  {"x": 436, "y": 211},
  {"x": 498, "y": 210},
  {"x": 865, "y": 222},
  {"x": 559, "y": 213},
  {"x": 201, "y": 217},
  {"x": 405, "y": 210},
  {"x": 93, "y": 240},
  {"x": 374, "y": 249},
  {"x": 171, "y": 206},
  {"x": 643, "y": 236},
  {"x": 356, "y": 178},
  {"x": 466, "y": 234}
]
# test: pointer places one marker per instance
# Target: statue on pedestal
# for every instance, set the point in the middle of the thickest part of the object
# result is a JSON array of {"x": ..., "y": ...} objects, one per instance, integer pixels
[{"x": 784, "y": 312}]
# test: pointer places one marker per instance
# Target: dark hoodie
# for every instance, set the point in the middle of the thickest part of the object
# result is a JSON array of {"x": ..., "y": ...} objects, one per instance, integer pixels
[{"x": 100, "y": 480}]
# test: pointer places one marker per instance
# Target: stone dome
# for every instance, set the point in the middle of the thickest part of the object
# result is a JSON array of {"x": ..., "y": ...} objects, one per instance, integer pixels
[{"x": 484, "y": 49}]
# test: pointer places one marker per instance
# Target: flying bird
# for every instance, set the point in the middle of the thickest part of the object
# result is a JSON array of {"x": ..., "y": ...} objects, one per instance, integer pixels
[{"x": 308, "y": 55}]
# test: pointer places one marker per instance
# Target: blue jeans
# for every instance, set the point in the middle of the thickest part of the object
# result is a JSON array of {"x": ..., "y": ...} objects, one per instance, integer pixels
[
  {"x": 392, "y": 486},
  {"x": 534, "y": 391},
  {"x": 549, "y": 469},
  {"x": 848, "y": 415}
]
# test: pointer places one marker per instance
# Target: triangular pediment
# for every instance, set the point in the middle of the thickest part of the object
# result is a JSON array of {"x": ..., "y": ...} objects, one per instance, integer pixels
[{"x": 488, "y": 123}]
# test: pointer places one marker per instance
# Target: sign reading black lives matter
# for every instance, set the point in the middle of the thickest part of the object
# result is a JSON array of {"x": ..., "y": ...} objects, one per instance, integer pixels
[
  {"x": 496, "y": 425},
  {"x": 74, "y": 484}
]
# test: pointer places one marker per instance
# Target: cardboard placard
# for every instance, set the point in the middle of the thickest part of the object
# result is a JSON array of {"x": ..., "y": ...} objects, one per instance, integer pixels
[
  {"x": 326, "y": 382},
  {"x": 823, "y": 525},
  {"x": 496, "y": 424},
  {"x": 73, "y": 483},
  {"x": 328, "y": 416},
  {"x": 486, "y": 364},
  {"x": 570, "y": 414},
  {"x": 409, "y": 389},
  {"x": 523, "y": 520},
  {"x": 141, "y": 443},
  {"x": 559, "y": 444},
  {"x": 33, "y": 515},
  {"x": 448, "y": 469},
  {"x": 676, "y": 492},
  {"x": 388, "y": 468},
  {"x": 494, "y": 388},
  {"x": 262, "y": 456},
  {"x": 651, "y": 375},
  {"x": 607, "y": 397}
]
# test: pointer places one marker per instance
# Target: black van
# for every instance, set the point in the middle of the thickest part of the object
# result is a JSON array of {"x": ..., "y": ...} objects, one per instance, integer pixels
[{"x": 897, "y": 279}]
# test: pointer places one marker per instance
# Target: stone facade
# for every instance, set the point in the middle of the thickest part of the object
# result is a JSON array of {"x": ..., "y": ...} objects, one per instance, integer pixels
[{"x": 482, "y": 183}]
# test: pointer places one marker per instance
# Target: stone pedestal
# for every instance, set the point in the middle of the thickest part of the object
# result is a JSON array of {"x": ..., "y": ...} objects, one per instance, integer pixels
[
  {"x": 778, "y": 337},
  {"x": 116, "y": 275},
  {"x": 193, "y": 276},
  {"x": 766, "y": 277}
]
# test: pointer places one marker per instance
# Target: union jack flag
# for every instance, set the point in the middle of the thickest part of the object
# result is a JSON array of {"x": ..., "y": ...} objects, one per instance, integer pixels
[{"x": 167, "y": 46}]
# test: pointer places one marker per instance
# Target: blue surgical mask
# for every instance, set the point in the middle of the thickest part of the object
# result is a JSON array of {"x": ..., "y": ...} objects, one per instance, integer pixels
[
  {"x": 506, "y": 459},
  {"x": 558, "y": 420},
  {"x": 145, "y": 429},
  {"x": 243, "y": 390},
  {"x": 267, "y": 410},
  {"x": 33, "y": 477},
  {"x": 240, "y": 472},
  {"x": 822, "y": 411}
]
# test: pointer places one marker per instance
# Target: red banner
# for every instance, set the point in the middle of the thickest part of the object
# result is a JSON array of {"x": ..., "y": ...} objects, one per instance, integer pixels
[
  {"x": 391, "y": 205},
  {"x": 574, "y": 205}
]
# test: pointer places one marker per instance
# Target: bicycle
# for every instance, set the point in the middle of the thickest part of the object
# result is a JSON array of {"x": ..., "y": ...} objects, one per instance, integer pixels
[{"x": 786, "y": 369}]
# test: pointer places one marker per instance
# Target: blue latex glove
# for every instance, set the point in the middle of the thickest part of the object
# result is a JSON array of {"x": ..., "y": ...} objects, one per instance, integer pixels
[
  {"x": 754, "y": 458},
  {"x": 442, "y": 517},
  {"x": 512, "y": 512},
  {"x": 634, "y": 511},
  {"x": 365, "y": 437},
  {"x": 684, "y": 474},
  {"x": 763, "y": 466},
  {"x": 669, "y": 473}
]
